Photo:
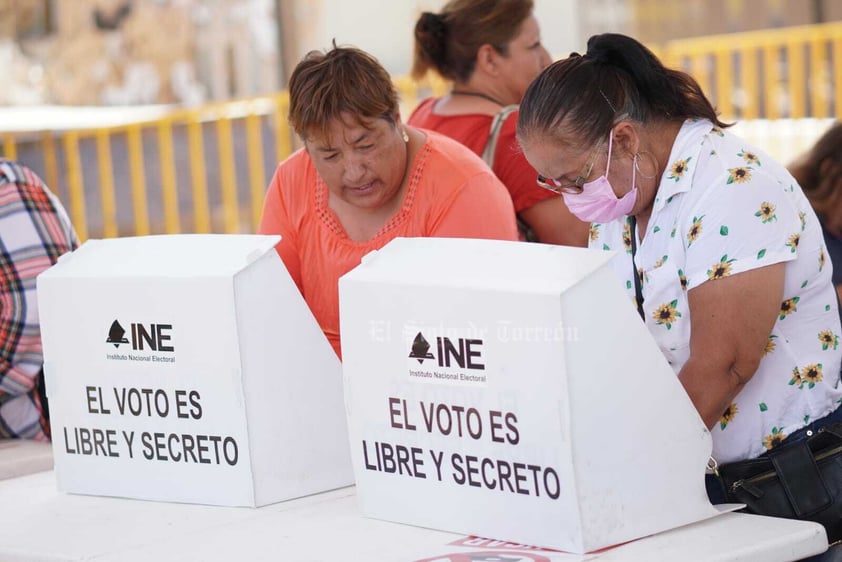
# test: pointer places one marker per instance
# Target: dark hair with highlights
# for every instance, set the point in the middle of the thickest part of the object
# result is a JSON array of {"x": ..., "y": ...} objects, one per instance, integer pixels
[
  {"x": 819, "y": 172},
  {"x": 580, "y": 98},
  {"x": 449, "y": 41},
  {"x": 341, "y": 80}
]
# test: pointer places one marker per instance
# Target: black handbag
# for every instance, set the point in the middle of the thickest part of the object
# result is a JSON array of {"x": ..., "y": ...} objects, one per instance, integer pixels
[{"x": 800, "y": 480}]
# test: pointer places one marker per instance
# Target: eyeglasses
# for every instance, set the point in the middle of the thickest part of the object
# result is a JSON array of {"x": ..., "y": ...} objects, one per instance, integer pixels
[{"x": 578, "y": 184}]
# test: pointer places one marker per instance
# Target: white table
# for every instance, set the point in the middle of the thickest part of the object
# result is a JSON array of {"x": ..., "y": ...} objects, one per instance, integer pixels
[
  {"x": 39, "y": 523},
  {"x": 22, "y": 456}
]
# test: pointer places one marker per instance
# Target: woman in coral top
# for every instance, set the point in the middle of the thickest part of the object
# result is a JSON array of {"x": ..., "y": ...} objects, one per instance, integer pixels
[
  {"x": 364, "y": 178},
  {"x": 491, "y": 50}
]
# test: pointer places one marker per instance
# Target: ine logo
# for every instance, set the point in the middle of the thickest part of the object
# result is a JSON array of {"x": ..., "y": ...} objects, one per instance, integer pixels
[
  {"x": 116, "y": 334},
  {"x": 155, "y": 337},
  {"x": 420, "y": 349},
  {"x": 465, "y": 353}
]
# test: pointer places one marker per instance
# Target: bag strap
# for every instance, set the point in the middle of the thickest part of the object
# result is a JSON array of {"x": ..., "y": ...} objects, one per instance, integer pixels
[
  {"x": 494, "y": 133},
  {"x": 488, "y": 156}
]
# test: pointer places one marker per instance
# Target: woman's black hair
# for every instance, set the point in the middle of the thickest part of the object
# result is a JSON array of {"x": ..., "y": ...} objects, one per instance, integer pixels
[{"x": 617, "y": 78}]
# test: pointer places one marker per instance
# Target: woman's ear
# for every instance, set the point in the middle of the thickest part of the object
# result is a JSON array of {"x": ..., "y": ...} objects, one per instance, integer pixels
[
  {"x": 827, "y": 167},
  {"x": 487, "y": 59},
  {"x": 626, "y": 139}
]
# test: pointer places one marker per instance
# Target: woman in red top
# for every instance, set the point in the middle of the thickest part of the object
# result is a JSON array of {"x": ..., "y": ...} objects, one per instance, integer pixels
[
  {"x": 364, "y": 178},
  {"x": 491, "y": 50}
]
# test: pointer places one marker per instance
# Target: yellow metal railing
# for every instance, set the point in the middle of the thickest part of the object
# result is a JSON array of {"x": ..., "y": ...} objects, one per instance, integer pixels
[
  {"x": 789, "y": 72},
  {"x": 193, "y": 170},
  {"x": 206, "y": 169}
]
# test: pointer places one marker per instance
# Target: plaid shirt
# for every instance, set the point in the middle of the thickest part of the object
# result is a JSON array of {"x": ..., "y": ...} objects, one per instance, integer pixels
[{"x": 34, "y": 232}]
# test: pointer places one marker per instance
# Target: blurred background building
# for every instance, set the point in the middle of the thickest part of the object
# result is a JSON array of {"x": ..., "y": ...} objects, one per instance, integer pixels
[
  {"x": 119, "y": 52},
  {"x": 123, "y": 52}
]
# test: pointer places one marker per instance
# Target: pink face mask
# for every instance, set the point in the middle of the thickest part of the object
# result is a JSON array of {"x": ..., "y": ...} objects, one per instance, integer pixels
[{"x": 597, "y": 202}]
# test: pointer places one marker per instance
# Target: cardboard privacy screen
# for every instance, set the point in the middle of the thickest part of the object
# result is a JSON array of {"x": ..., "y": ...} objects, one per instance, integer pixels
[
  {"x": 189, "y": 369},
  {"x": 510, "y": 391}
]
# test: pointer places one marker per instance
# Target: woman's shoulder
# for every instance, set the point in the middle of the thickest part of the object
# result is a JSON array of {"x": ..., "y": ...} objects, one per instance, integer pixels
[
  {"x": 296, "y": 167},
  {"x": 424, "y": 116},
  {"x": 446, "y": 153},
  {"x": 295, "y": 177},
  {"x": 448, "y": 168},
  {"x": 449, "y": 180},
  {"x": 422, "y": 113}
]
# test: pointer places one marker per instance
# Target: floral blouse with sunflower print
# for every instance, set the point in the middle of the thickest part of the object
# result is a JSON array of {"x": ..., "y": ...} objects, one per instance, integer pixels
[{"x": 722, "y": 208}]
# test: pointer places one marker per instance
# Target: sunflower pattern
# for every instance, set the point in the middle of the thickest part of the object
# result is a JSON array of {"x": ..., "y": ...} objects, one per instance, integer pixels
[
  {"x": 788, "y": 307},
  {"x": 728, "y": 415},
  {"x": 695, "y": 230},
  {"x": 593, "y": 231},
  {"x": 770, "y": 344},
  {"x": 666, "y": 314},
  {"x": 740, "y": 174},
  {"x": 766, "y": 213},
  {"x": 809, "y": 375},
  {"x": 812, "y": 374},
  {"x": 828, "y": 339},
  {"x": 721, "y": 269},
  {"x": 775, "y": 438},
  {"x": 727, "y": 214},
  {"x": 678, "y": 169},
  {"x": 627, "y": 234},
  {"x": 796, "y": 378},
  {"x": 750, "y": 157}
]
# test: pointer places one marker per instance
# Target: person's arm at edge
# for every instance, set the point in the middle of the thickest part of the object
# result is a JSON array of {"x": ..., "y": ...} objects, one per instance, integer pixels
[
  {"x": 731, "y": 319},
  {"x": 55, "y": 236},
  {"x": 553, "y": 223}
]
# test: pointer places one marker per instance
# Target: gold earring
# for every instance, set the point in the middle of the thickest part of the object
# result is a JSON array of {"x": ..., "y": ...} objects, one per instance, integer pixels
[
  {"x": 404, "y": 136},
  {"x": 638, "y": 158}
]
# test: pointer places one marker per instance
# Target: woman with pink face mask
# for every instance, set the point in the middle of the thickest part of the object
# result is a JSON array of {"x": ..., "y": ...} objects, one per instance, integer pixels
[{"x": 717, "y": 245}]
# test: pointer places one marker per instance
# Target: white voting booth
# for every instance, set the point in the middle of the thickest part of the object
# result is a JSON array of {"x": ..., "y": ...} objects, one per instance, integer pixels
[
  {"x": 510, "y": 391},
  {"x": 189, "y": 369}
]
